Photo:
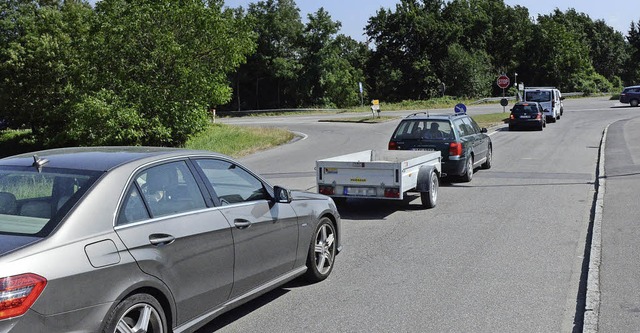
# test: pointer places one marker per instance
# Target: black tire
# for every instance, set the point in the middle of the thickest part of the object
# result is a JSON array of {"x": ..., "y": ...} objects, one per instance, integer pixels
[
  {"x": 540, "y": 127},
  {"x": 511, "y": 127},
  {"x": 468, "y": 170},
  {"x": 487, "y": 163},
  {"x": 322, "y": 251},
  {"x": 633, "y": 102},
  {"x": 430, "y": 198},
  {"x": 132, "y": 310}
]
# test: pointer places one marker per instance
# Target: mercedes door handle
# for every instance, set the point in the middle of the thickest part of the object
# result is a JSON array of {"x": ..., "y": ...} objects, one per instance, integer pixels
[
  {"x": 241, "y": 223},
  {"x": 161, "y": 239}
]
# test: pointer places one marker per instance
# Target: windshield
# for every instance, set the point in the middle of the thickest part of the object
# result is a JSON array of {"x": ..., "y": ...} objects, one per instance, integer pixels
[
  {"x": 424, "y": 129},
  {"x": 537, "y": 96},
  {"x": 32, "y": 202}
]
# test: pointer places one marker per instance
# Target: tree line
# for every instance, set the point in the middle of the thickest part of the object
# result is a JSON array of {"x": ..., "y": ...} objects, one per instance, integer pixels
[{"x": 149, "y": 72}]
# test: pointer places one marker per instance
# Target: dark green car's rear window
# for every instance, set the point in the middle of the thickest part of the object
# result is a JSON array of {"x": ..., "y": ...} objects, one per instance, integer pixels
[{"x": 423, "y": 129}]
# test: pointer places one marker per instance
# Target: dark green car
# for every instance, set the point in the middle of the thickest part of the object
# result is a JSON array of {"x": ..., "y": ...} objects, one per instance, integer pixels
[{"x": 463, "y": 145}]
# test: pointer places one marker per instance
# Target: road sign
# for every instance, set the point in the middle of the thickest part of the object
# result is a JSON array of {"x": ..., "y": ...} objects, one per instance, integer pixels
[
  {"x": 503, "y": 81},
  {"x": 460, "y": 108}
]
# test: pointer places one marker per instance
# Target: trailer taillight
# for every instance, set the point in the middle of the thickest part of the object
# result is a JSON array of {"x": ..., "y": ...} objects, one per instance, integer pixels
[
  {"x": 326, "y": 190},
  {"x": 391, "y": 193}
]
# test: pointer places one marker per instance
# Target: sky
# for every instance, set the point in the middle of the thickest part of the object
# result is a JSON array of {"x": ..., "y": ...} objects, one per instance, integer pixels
[{"x": 354, "y": 14}]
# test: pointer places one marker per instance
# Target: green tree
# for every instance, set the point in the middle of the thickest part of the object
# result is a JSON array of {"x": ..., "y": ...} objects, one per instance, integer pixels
[
  {"x": 43, "y": 65},
  {"x": 268, "y": 79},
  {"x": 166, "y": 59},
  {"x": 632, "y": 73}
]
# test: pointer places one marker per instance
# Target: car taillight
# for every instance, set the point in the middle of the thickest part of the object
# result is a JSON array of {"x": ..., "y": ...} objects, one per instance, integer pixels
[
  {"x": 326, "y": 190},
  {"x": 455, "y": 149},
  {"x": 393, "y": 145},
  {"x": 391, "y": 193},
  {"x": 538, "y": 116},
  {"x": 18, "y": 293},
  {"x": 512, "y": 117}
]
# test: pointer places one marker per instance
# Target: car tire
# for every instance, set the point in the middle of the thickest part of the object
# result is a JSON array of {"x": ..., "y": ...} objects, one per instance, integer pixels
[
  {"x": 136, "y": 312},
  {"x": 540, "y": 127},
  {"x": 511, "y": 127},
  {"x": 633, "y": 102},
  {"x": 322, "y": 251},
  {"x": 489, "y": 160},
  {"x": 468, "y": 170},
  {"x": 429, "y": 199}
]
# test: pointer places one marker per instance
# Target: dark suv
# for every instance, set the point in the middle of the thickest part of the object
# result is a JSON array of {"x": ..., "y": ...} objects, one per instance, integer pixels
[
  {"x": 462, "y": 143},
  {"x": 630, "y": 95}
]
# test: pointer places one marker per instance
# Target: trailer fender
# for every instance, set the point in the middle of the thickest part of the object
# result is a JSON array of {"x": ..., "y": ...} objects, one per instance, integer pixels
[{"x": 424, "y": 177}]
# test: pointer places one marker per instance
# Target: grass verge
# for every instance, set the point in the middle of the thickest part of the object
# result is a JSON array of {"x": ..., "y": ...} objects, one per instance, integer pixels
[{"x": 238, "y": 141}]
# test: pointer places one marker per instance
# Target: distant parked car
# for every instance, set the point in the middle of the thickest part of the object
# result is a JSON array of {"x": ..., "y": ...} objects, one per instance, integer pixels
[
  {"x": 463, "y": 145},
  {"x": 155, "y": 240},
  {"x": 527, "y": 114},
  {"x": 630, "y": 95}
]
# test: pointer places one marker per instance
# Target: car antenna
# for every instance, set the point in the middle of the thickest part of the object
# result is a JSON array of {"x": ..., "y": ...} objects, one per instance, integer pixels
[{"x": 39, "y": 162}]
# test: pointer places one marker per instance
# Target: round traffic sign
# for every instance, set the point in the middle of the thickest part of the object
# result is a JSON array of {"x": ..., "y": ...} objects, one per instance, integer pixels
[
  {"x": 503, "y": 81},
  {"x": 460, "y": 108},
  {"x": 504, "y": 102}
]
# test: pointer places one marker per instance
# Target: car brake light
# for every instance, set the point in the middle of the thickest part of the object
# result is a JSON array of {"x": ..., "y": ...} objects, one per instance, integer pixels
[
  {"x": 393, "y": 145},
  {"x": 326, "y": 190},
  {"x": 18, "y": 293},
  {"x": 455, "y": 149},
  {"x": 512, "y": 117}
]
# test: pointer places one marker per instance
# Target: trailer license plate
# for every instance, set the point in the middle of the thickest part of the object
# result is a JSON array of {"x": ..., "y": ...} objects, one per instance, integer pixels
[{"x": 360, "y": 191}]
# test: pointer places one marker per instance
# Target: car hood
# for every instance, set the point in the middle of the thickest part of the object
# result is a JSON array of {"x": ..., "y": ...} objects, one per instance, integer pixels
[
  {"x": 9, "y": 243},
  {"x": 301, "y": 195}
]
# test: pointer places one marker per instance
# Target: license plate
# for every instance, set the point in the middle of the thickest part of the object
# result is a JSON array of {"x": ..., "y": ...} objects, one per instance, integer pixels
[
  {"x": 360, "y": 191},
  {"x": 424, "y": 149},
  {"x": 524, "y": 117}
]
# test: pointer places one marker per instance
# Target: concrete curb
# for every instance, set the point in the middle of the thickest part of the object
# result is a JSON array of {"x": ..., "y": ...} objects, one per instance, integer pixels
[{"x": 592, "y": 302}]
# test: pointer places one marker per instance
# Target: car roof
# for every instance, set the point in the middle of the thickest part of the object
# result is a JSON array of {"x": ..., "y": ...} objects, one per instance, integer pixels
[
  {"x": 427, "y": 115},
  {"x": 96, "y": 158},
  {"x": 525, "y": 103},
  {"x": 631, "y": 87}
]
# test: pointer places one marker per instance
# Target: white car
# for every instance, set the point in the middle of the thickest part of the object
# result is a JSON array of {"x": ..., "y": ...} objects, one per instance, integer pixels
[{"x": 549, "y": 98}]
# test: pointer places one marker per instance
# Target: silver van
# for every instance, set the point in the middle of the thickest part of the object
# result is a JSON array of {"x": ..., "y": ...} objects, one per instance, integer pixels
[{"x": 549, "y": 98}]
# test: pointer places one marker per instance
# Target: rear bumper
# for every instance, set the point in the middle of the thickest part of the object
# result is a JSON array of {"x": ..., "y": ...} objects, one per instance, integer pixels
[
  {"x": 454, "y": 167},
  {"x": 526, "y": 123}
]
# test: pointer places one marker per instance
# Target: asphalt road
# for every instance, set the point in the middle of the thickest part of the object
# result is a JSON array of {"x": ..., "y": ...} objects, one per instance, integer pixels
[{"x": 504, "y": 253}]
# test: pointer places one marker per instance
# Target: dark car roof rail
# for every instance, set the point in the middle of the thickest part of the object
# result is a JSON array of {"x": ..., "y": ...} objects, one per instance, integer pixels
[{"x": 418, "y": 113}]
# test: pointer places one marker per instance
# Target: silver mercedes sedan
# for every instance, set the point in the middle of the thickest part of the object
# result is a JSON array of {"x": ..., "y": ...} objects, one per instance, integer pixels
[{"x": 140, "y": 239}]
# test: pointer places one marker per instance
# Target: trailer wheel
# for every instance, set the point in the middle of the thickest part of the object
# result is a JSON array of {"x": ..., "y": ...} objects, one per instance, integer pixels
[{"x": 430, "y": 198}]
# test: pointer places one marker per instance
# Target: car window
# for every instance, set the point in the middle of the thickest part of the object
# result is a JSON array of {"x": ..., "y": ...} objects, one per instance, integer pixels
[
  {"x": 423, "y": 129},
  {"x": 476, "y": 127},
  {"x": 460, "y": 127},
  {"x": 468, "y": 124},
  {"x": 166, "y": 189},
  {"x": 538, "y": 96},
  {"x": 525, "y": 109},
  {"x": 31, "y": 198},
  {"x": 409, "y": 129},
  {"x": 231, "y": 183}
]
